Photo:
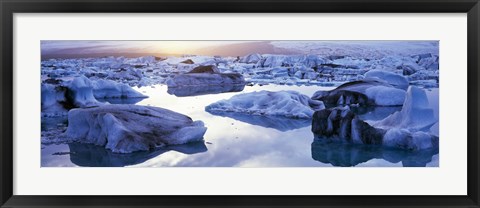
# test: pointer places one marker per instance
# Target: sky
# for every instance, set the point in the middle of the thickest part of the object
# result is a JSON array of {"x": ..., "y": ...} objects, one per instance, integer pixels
[
  {"x": 150, "y": 47},
  {"x": 358, "y": 48}
]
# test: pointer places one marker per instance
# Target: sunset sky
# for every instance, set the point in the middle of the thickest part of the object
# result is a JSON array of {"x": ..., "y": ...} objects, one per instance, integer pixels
[
  {"x": 154, "y": 47},
  {"x": 356, "y": 48}
]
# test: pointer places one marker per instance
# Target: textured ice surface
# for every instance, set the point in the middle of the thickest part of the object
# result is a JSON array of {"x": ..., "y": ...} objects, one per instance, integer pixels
[
  {"x": 395, "y": 80},
  {"x": 112, "y": 89},
  {"x": 369, "y": 92},
  {"x": 80, "y": 92},
  {"x": 130, "y": 128},
  {"x": 289, "y": 104},
  {"x": 415, "y": 114},
  {"x": 52, "y": 97},
  {"x": 205, "y": 79}
]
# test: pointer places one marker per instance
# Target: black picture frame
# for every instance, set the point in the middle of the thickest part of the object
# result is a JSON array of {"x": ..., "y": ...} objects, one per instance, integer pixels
[{"x": 10, "y": 7}]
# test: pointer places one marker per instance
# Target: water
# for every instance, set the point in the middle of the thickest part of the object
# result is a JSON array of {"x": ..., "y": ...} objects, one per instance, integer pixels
[{"x": 236, "y": 140}]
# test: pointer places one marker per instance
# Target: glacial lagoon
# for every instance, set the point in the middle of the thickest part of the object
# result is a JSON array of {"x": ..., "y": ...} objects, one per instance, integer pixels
[{"x": 238, "y": 140}]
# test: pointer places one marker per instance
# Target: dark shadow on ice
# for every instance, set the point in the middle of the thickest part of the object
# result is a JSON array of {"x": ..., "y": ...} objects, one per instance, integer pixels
[
  {"x": 347, "y": 155},
  {"x": 186, "y": 91},
  {"x": 120, "y": 100},
  {"x": 274, "y": 122},
  {"x": 89, "y": 155}
]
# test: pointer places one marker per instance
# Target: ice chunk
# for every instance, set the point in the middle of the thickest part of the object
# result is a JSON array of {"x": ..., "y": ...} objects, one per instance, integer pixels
[
  {"x": 112, "y": 89},
  {"x": 205, "y": 69},
  {"x": 397, "y": 138},
  {"x": 386, "y": 96},
  {"x": 342, "y": 125},
  {"x": 204, "y": 79},
  {"x": 368, "y": 92},
  {"x": 125, "y": 74},
  {"x": 289, "y": 104},
  {"x": 52, "y": 97},
  {"x": 251, "y": 58},
  {"x": 434, "y": 130},
  {"x": 185, "y": 91},
  {"x": 415, "y": 114},
  {"x": 395, "y": 80},
  {"x": 404, "y": 139},
  {"x": 80, "y": 93},
  {"x": 313, "y": 61},
  {"x": 130, "y": 128}
]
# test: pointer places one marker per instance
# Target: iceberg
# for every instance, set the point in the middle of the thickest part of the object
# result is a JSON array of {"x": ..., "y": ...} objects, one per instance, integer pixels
[
  {"x": 205, "y": 75},
  {"x": 52, "y": 99},
  {"x": 130, "y": 128},
  {"x": 80, "y": 93},
  {"x": 415, "y": 114},
  {"x": 251, "y": 58},
  {"x": 341, "y": 125},
  {"x": 186, "y": 91},
  {"x": 289, "y": 104},
  {"x": 112, "y": 89},
  {"x": 367, "y": 92},
  {"x": 404, "y": 139},
  {"x": 391, "y": 78}
]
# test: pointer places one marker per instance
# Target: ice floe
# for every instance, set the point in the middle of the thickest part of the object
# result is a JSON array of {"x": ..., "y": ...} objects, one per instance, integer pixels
[
  {"x": 130, "y": 128},
  {"x": 289, "y": 104}
]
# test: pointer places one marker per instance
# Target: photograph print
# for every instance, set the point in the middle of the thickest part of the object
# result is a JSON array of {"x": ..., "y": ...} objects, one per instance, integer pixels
[{"x": 240, "y": 103}]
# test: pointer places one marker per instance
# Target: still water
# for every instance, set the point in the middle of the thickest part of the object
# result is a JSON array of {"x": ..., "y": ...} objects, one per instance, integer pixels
[{"x": 236, "y": 140}]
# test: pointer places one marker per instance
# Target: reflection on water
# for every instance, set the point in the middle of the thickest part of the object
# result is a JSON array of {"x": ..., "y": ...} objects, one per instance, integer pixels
[
  {"x": 237, "y": 140},
  {"x": 203, "y": 90},
  {"x": 274, "y": 122},
  {"x": 89, "y": 155},
  {"x": 347, "y": 155}
]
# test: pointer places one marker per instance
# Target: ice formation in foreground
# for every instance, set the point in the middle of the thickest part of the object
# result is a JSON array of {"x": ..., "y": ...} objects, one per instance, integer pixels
[
  {"x": 289, "y": 104},
  {"x": 342, "y": 125},
  {"x": 130, "y": 128},
  {"x": 411, "y": 128},
  {"x": 415, "y": 114}
]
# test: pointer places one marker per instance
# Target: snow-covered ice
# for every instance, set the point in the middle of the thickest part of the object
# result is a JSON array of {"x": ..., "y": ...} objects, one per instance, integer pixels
[
  {"x": 289, "y": 104},
  {"x": 130, "y": 128}
]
